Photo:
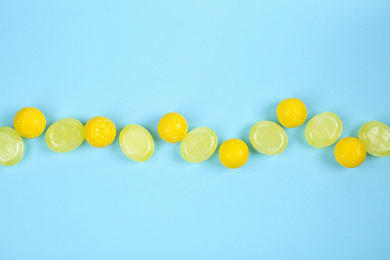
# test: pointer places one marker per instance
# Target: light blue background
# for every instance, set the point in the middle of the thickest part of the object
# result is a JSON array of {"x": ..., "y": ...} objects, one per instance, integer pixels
[{"x": 222, "y": 64}]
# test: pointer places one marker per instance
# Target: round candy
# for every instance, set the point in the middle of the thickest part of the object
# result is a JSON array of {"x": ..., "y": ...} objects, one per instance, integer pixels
[
  {"x": 350, "y": 152},
  {"x": 291, "y": 112},
  {"x": 136, "y": 143},
  {"x": 323, "y": 130},
  {"x": 99, "y": 131},
  {"x": 29, "y": 122},
  {"x": 376, "y": 137},
  {"x": 172, "y": 127},
  {"x": 268, "y": 138},
  {"x": 233, "y": 153},
  {"x": 65, "y": 135},
  {"x": 11, "y": 146},
  {"x": 199, "y": 145}
]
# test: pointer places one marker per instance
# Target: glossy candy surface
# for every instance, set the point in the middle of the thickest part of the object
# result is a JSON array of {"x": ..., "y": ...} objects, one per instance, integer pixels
[
  {"x": 65, "y": 135},
  {"x": 291, "y": 112},
  {"x": 136, "y": 143},
  {"x": 350, "y": 152},
  {"x": 376, "y": 137},
  {"x": 99, "y": 131},
  {"x": 172, "y": 127},
  {"x": 11, "y": 146},
  {"x": 233, "y": 153},
  {"x": 29, "y": 122},
  {"x": 268, "y": 138},
  {"x": 199, "y": 145},
  {"x": 323, "y": 130}
]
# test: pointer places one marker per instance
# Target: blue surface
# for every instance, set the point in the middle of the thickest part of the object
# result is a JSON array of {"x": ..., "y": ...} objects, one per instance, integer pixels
[{"x": 222, "y": 64}]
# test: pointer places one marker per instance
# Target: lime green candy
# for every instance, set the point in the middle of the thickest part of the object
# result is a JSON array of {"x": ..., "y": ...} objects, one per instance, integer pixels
[
  {"x": 199, "y": 145},
  {"x": 376, "y": 137},
  {"x": 136, "y": 143},
  {"x": 268, "y": 138},
  {"x": 323, "y": 130},
  {"x": 11, "y": 146},
  {"x": 65, "y": 135}
]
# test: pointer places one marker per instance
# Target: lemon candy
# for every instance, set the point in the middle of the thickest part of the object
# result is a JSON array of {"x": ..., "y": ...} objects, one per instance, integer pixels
[
  {"x": 99, "y": 131},
  {"x": 29, "y": 122},
  {"x": 172, "y": 127},
  {"x": 291, "y": 112},
  {"x": 350, "y": 152},
  {"x": 233, "y": 153}
]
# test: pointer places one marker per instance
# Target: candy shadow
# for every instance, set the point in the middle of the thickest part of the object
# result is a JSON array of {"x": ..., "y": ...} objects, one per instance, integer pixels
[
  {"x": 300, "y": 134},
  {"x": 297, "y": 135},
  {"x": 176, "y": 150},
  {"x": 244, "y": 135},
  {"x": 42, "y": 146},
  {"x": 7, "y": 117},
  {"x": 330, "y": 160},
  {"x": 354, "y": 132},
  {"x": 269, "y": 113},
  {"x": 151, "y": 126},
  {"x": 215, "y": 164},
  {"x": 27, "y": 149},
  {"x": 115, "y": 146}
]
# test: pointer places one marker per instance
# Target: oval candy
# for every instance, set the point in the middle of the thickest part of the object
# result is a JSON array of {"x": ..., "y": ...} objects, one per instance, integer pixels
[
  {"x": 375, "y": 136},
  {"x": 323, "y": 130},
  {"x": 65, "y": 135},
  {"x": 199, "y": 145},
  {"x": 11, "y": 146},
  {"x": 268, "y": 138},
  {"x": 136, "y": 143}
]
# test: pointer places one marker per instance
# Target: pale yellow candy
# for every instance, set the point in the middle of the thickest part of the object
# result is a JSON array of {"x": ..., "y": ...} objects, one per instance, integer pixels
[
  {"x": 268, "y": 138},
  {"x": 323, "y": 130},
  {"x": 375, "y": 136},
  {"x": 136, "y": 143},
  {"x": 199, "y": 145},
  {"x": 65, "y": 135},
  {"x": 11, "y": 146}
]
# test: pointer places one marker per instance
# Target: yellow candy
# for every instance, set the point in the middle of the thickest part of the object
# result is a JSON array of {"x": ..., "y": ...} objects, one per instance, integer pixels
[
  {"x": 29, "y": 122},
  {"x": 350, "y": 152},
  {"x": 99, "y": 131},
  {"x": 291, "y": 112},
  {"x": 172, "y": 127},
  {"x": 233, "y": 153}
]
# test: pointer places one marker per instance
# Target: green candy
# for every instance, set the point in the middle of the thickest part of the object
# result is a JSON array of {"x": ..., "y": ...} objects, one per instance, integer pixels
[
  {"x": 65, "y": 135},
  {"x": 199, "y": 145},
  {"x": 136, "y": 143},
  {"x": 376, "y": 137},
  {"x": 268, "y": 138},
  {"x": 323, "y": 130},
  {"x": 11, "y": 146}
]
